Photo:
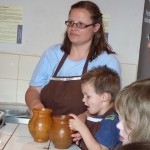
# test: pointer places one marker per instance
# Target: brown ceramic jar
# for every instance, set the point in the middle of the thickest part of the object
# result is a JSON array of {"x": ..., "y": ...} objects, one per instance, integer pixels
[
  {"x": 40, "y": 123},
  {"x": 60, "y": 133}
]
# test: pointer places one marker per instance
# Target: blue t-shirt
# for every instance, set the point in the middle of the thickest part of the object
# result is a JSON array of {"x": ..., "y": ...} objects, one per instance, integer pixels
[
  {"x": 108, "y": 134},
  {"x": 51, "y": 58}
]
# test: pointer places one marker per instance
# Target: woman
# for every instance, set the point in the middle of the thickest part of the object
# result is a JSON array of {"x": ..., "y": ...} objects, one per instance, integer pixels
[
  {"x": 132, "y": 104},
  {"x": 55, "y": 82}
]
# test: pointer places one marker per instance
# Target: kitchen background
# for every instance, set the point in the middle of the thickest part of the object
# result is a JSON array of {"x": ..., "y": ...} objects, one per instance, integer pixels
[{"x": 43, "y": 26}]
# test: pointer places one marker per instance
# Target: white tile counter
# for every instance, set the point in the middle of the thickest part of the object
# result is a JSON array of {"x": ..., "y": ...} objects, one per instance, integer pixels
[{"x": 17, "y": 137}]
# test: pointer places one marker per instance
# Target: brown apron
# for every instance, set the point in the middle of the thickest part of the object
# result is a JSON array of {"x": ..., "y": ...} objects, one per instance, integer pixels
[
  {"x": 94, "y": 127},
  {"x": 63, "y": 94}
]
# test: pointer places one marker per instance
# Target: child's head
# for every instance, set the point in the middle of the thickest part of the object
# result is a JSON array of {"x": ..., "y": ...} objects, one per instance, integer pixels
[
  {"x": 135, "y": 146},
  {"x": 100, "y": 85},
  {"x": 133, "y": 105}
]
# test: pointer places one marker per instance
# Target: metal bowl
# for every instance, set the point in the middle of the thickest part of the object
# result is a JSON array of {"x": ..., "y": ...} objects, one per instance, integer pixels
[{"x": 15, "y": 113}]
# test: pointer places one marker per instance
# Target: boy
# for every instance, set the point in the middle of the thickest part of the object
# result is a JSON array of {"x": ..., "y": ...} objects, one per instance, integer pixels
[{"x": 99, "y": 87}]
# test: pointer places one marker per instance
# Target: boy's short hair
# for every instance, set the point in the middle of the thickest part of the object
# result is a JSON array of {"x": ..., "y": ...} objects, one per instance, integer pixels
[{"x": 103, "y": 79}]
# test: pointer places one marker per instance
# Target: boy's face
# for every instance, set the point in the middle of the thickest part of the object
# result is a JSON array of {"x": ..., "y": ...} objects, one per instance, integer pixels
[{"x": 92, "y": 100}]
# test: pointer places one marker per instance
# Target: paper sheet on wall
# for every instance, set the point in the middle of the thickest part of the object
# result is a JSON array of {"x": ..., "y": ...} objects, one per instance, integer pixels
[
  {"x": 11, "y": 24},
  {"x": 106, "y": 19}
]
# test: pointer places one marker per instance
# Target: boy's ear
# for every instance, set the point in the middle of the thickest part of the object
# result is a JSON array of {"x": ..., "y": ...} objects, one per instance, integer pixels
[{"x": 106, "y": 97}]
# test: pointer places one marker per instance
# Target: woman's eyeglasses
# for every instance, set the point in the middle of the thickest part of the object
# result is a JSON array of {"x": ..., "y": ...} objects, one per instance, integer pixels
[{"x": 79, "y": 25}]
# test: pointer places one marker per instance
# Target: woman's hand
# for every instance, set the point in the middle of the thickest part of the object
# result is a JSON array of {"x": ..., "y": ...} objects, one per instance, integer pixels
[{"x": 38, "y": 105}]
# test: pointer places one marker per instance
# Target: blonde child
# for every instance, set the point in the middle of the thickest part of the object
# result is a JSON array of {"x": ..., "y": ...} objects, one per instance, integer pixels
[{"x": 133, "y": 105}]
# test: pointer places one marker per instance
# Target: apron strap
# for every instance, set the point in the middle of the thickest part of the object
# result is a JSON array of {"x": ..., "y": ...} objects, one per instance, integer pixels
[
  {"x": 62, "y": 62},
  {"x": 85, "y": 67}
]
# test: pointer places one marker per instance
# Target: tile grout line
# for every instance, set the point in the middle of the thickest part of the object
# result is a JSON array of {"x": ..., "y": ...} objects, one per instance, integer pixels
[{"x": 10, "y": 137}]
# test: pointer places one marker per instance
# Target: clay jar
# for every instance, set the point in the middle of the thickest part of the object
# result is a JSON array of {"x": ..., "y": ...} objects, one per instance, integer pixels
[
  {"x": 40, "y": 123},
  {"x": 60, "y": 133}
]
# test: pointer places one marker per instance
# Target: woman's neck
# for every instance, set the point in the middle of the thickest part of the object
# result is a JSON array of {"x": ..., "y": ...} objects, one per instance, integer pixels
[{"x": 79, "y": 52}]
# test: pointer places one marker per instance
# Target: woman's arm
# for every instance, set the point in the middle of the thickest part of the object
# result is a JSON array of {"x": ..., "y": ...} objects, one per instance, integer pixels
[{"x": 32, "y": 98}]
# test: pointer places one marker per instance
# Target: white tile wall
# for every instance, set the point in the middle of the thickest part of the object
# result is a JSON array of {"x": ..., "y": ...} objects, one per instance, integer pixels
[
  {"x": 22, "y": 87},
  {"x": 129, "y": 73},
  {"x": 16, "y": 71},
  {"x": 8, "y": 90},
  {"x": 26, "y": 66},
  {"x": 9, "y": 66}
]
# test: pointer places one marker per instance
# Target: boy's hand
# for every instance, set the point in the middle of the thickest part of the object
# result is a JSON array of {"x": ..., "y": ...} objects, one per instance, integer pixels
[
  {"x": 76, "y": 124},
  {"x": 76, "y": 137}
]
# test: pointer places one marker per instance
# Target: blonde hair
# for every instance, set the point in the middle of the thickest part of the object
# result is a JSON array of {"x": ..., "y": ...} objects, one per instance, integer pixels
[
  {"x": 135, "y": 146},
  {"x": 133, "y": 105}
]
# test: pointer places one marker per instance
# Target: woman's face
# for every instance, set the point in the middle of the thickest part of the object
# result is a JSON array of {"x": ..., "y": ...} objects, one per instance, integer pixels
[
  {"x": 124, "y": 132},
  {"x": 81, "y": 36}
]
